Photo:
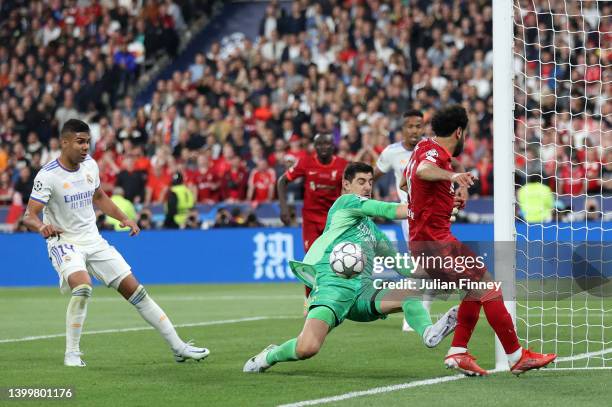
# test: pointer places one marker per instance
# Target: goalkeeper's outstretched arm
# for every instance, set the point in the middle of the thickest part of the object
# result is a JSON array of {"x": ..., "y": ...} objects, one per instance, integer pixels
[{"x": 387, "y": 210}]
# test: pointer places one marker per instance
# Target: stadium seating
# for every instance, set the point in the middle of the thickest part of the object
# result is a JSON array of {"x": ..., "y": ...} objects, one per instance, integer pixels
[{"x": 339, "y": 67}]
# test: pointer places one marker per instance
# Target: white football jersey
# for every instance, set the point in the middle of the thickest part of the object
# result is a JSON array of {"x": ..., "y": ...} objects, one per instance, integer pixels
[
  {"x": 395, "y": 157},
  {"x": 68, "y": 199}
]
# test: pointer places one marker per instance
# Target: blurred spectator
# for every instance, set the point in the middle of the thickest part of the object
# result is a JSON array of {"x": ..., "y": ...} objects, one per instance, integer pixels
[
  {"x": 483, "y": 185},
  {"x": 571, "y": 178},
  {"x": 234, "y": 181},
  {"x": 125, "y": 63},
  {"x": 145, "y": 220},
  {"x": 101, "y": 221},
  {"x": 125, "y": 205},
  {"x": 67, "y": 110},
  {"x": 108, "y": 172},
  {"x": 536, "y": 201},
  {"x": 6, "y": 189},
  {"x": 24, "y": 184},
  {"x": 131, "y": 181},
  {"x": 180, "y": 201},
  {"x": 52, "y": 153},
  {"x": 271, "y": 21},
  {"x": 223, "y": 219},
  {"x": 158, "y": 183},
  {"x": 238, "y": 218},
  {"x": 261, "y": 184},
  {"x": 193, "y": 220},
  {"x": 590, "y": 212},
  {"x": 251, "y": 221},
  {"x": 198, "y": 68},
  {"x": 593, "y": 209},
  {"x": 205, "y": 182}
]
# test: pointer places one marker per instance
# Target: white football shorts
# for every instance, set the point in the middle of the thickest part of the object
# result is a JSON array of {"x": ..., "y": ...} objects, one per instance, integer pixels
[{"x": 99, "y": 259}]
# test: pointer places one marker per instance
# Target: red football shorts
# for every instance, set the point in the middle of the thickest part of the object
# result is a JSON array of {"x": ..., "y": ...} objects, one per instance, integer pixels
[
  {"x": 449, "y": 260},
  {"x": 310, "y": 232}
]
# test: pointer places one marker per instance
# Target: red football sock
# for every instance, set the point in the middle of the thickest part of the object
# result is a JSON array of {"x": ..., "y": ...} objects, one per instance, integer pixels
[
  {"x": 467, "y": 317},
  {"x": 501, "y": 322},
  {"x": 307, "y": 290}
]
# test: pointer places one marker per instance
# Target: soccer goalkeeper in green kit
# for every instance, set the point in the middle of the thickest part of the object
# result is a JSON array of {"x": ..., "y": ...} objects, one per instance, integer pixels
[{"x": 335, "y": 298}]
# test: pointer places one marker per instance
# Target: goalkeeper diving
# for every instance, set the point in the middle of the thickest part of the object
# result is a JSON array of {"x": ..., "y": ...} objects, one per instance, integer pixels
[{"x": 335, "y": 298}]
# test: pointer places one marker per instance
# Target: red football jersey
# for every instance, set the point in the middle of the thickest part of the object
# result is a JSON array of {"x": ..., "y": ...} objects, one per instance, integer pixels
[
  {"x": 593, "y": 175},
  {"x": 430, "y": 203},
  {"x": 322, "y": 185},
  {"x": 234, "y": 184},
  {"x": 261, "y": 181},
  {"x": 572, "y": 179},
  {"x": 207, "y": 183}
]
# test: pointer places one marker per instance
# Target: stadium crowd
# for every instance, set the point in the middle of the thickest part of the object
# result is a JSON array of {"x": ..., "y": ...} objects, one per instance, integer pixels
[
  {"x": 563, "y": 113},
  {"x": 245, "y": 111}
]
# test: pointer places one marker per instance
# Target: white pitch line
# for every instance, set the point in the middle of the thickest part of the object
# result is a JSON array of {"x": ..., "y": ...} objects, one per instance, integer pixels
[
  {"x": 180, "y": 298},
  {"x": 436, "y": 380},
  {"x": 147, "y": 328},
  {"x": 376, "y": 390},
  {"x": 218, "y": 298},
  {"x": 584, "y": 355}
]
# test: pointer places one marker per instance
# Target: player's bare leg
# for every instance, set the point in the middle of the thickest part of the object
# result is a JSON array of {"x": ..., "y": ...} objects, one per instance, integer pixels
[
  {"x": 136, "y": 294},
  {"x": 316, "y": 328},
  {"x": 81, "y": 287}
]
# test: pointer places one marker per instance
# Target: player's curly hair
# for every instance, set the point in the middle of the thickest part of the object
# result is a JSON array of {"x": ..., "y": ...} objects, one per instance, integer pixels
[
  {"x": 448, "y": 119},
  {"x": 352, "y": 169},
  {"x": 74, "y": 126}
]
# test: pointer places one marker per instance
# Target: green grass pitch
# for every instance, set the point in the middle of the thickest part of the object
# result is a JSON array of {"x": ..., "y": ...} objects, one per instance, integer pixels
[{"x": 135, "y": 367}]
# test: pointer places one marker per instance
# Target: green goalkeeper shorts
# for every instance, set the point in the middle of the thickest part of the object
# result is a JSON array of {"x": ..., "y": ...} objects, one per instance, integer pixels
[{"x": 347, "y": 299}]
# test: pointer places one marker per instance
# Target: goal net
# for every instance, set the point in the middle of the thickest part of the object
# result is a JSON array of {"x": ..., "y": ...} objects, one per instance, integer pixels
[{"x": 562, "y": 88}]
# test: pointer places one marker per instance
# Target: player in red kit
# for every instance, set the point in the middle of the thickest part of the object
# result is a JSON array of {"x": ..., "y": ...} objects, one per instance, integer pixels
[
  {"x": 429, "y": 181},
  {"x": 322, "y": 174}
]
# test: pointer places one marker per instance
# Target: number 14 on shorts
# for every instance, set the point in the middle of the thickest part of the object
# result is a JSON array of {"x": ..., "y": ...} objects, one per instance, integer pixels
[{"x": 60, "y": 251}]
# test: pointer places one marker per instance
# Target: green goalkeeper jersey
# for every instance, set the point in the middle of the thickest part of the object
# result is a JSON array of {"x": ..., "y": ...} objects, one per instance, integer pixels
[{"x": 349, "y": 220}]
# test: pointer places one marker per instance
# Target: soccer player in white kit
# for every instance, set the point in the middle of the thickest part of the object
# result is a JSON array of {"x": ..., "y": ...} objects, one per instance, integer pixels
[
  {"x": 395, "y": 157},
  {"x": 65, "y": 191}
]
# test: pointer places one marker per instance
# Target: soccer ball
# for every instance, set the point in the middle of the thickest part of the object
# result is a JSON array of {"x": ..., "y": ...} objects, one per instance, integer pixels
[{"x": 346, "y": 259}]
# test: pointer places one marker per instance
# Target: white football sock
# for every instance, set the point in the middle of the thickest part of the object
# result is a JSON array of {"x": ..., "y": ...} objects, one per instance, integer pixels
[
  {"x": 155, "y": 316},
  {"x": 514, "y": 357},
  {"x": 75, "y": 316},
  {"x": 456, "y": 349}
]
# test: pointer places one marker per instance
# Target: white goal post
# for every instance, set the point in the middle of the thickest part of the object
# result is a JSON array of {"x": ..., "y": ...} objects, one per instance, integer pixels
[
  {"x": 503, "y": 159},
  {"x": 552, "y": 116}
]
